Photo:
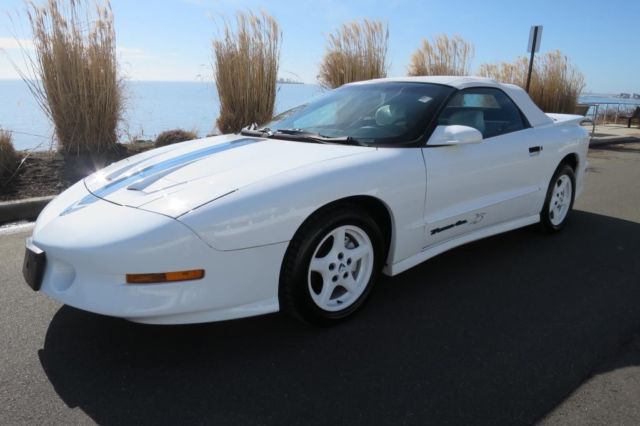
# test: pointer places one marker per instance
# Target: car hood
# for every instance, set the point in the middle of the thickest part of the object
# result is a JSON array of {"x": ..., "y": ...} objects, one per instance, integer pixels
[{"x": 176, "y": 179}]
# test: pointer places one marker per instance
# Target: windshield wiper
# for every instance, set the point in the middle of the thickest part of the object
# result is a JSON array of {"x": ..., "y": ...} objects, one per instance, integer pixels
[
  {"x": 292, "y": 131},
  {"x": 300, "y": 134},
  {"x": 345, "y": 140},
  {"x": 254, "y": 131}
]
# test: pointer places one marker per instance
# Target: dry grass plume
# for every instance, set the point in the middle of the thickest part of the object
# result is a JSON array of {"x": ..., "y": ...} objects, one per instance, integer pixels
[
  {"x": 9, "y": 159},
  {"x": 555, "y": 82},
  {"x": 246, "y": 61},
  {"x": 73, "y": 73},
  {"x": 357, "y": 51},
  {"x": 443, "y": 55}
]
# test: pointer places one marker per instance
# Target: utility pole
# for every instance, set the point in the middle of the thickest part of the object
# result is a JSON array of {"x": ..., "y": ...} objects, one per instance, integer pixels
[{"x": 535, "y": 36}]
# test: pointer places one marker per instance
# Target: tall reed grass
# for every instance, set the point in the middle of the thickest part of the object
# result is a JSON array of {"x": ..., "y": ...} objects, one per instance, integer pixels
[
  {"x": 73, "y": 73},
  {"x": 9, "y": 159},
  {"x": 443, "y": 55},
  {"x": 357, "y": 51},
  {"x": 246, "y": 61},
  {"x": 555, "y": 82}
]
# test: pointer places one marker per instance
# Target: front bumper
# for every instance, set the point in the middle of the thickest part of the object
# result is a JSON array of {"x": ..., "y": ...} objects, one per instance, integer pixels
[{"x": 91, "y": 247}]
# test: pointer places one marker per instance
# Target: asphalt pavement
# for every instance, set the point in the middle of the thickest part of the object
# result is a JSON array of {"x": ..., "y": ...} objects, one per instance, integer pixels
[{"x": 513, "y": 329}]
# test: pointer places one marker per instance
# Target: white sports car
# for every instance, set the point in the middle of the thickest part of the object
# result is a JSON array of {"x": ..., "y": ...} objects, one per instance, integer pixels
[{"x": 302, "y": 215}]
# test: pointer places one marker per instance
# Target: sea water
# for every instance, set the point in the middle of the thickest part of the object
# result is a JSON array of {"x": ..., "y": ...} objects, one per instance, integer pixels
[{"x": 150, "y": 108}]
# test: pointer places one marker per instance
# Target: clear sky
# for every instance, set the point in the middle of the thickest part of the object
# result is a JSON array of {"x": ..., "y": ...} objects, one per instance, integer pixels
[{"x": 171, "y": 39}]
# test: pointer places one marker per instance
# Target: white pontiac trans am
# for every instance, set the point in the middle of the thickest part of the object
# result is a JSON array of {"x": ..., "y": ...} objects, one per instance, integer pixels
[{"x": 303, "y": 214}]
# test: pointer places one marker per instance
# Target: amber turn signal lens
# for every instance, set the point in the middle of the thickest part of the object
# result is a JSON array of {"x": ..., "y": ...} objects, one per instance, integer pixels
[{"x": 165, "y": 277}]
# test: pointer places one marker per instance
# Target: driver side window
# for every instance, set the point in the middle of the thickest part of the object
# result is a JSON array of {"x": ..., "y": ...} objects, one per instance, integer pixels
[{"x": 489, "y": 110}]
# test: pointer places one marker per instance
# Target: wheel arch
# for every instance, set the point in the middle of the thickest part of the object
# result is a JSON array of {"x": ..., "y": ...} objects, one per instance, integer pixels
[
  {"x": 571, "y": 160},
  {"x": 380, "y": 212}
]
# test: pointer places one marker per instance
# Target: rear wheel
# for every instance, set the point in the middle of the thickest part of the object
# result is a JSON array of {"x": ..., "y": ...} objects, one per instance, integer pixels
[
  {"x": 331, "y": 265},
  {"x": 559, "y": 200}
]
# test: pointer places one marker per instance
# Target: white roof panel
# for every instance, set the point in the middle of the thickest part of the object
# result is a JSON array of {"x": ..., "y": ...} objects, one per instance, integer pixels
[{"x": 534, "y": 114}]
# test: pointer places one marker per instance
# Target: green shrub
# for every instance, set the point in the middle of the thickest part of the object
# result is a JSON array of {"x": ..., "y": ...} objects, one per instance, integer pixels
[
  {"x": 9, "y": 159},
  {"x": 442, "y": 56},
  {"x": 73, "y": 73},
  {"x": 355, "y": 52},
  {"x": 174, "y": 136},
  {"x": 246, "y": 64},
  {"x": 555, "y": 82}
]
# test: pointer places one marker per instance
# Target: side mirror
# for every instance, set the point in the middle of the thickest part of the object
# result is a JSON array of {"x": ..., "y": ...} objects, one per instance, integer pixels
[{"x": 455, "y": 135}]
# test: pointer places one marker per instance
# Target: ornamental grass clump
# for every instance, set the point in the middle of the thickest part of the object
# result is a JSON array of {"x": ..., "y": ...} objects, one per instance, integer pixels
[
  {"x": 555, "y": 83},
  {"x": 73, "y": 73},
  {"x": 9, "y": 159},
  {"x": 443, "y": 55},
  {"x": 246, "y": 61},
  {"x": 357, "y": 51},
  {"x": 170, "y": 137}
]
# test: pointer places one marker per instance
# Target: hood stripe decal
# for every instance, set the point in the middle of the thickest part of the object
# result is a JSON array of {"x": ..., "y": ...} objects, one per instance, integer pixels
[
  {"x": 169, "y": 165},
  {"x": 138, "y": 175}
]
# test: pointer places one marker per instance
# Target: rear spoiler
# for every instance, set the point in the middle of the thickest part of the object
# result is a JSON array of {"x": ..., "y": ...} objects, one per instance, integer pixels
[{"x": 568, "y": 118}]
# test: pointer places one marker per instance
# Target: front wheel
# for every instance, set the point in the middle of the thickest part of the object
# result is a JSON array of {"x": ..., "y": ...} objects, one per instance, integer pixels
[
  {"x": 331, "y": 265},
  {"x": 559, "y": 200}
]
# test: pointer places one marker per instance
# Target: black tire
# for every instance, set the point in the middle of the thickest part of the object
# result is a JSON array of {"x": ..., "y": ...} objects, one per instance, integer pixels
[
  {"x": 295, "y": 276},
  {"x": 548, "y": 223}
]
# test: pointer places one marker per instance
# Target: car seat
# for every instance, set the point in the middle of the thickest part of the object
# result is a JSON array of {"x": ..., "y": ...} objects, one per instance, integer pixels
[{"x": 471, "y": 118}]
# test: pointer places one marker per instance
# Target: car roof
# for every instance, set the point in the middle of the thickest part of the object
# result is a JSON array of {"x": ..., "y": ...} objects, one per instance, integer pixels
[
  {"x": 535, "y": 116},
  {"x": 459, "y": 82}
]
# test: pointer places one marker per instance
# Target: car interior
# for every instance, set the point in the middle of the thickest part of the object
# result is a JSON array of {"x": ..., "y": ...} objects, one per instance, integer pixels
[{"x": 493, "y": 114}]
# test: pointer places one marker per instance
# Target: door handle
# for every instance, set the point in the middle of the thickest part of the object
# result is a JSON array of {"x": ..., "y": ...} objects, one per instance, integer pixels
[{"x": 535, "y": 149}]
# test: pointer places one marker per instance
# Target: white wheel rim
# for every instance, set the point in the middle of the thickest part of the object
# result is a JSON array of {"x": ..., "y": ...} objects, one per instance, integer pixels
[
  {"x": 340, "y": 268},
  {"x": 560, "y": 200}
]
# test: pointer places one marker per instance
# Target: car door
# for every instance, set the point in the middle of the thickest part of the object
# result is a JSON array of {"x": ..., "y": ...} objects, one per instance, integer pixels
[{"x": 473, "y": 186}]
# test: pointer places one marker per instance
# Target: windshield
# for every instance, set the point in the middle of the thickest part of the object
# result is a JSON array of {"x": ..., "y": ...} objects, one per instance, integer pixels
[{"x": 391, "y": 113}]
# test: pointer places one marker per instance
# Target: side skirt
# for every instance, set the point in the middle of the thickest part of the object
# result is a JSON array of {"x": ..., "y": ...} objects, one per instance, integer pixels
[{"x": 429, "y": 252}]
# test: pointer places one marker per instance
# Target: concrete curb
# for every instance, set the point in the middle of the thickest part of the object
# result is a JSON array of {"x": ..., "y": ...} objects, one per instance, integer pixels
[
  {"x": 606, "y": 140},
  {"x": 26, "y": 209}
]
